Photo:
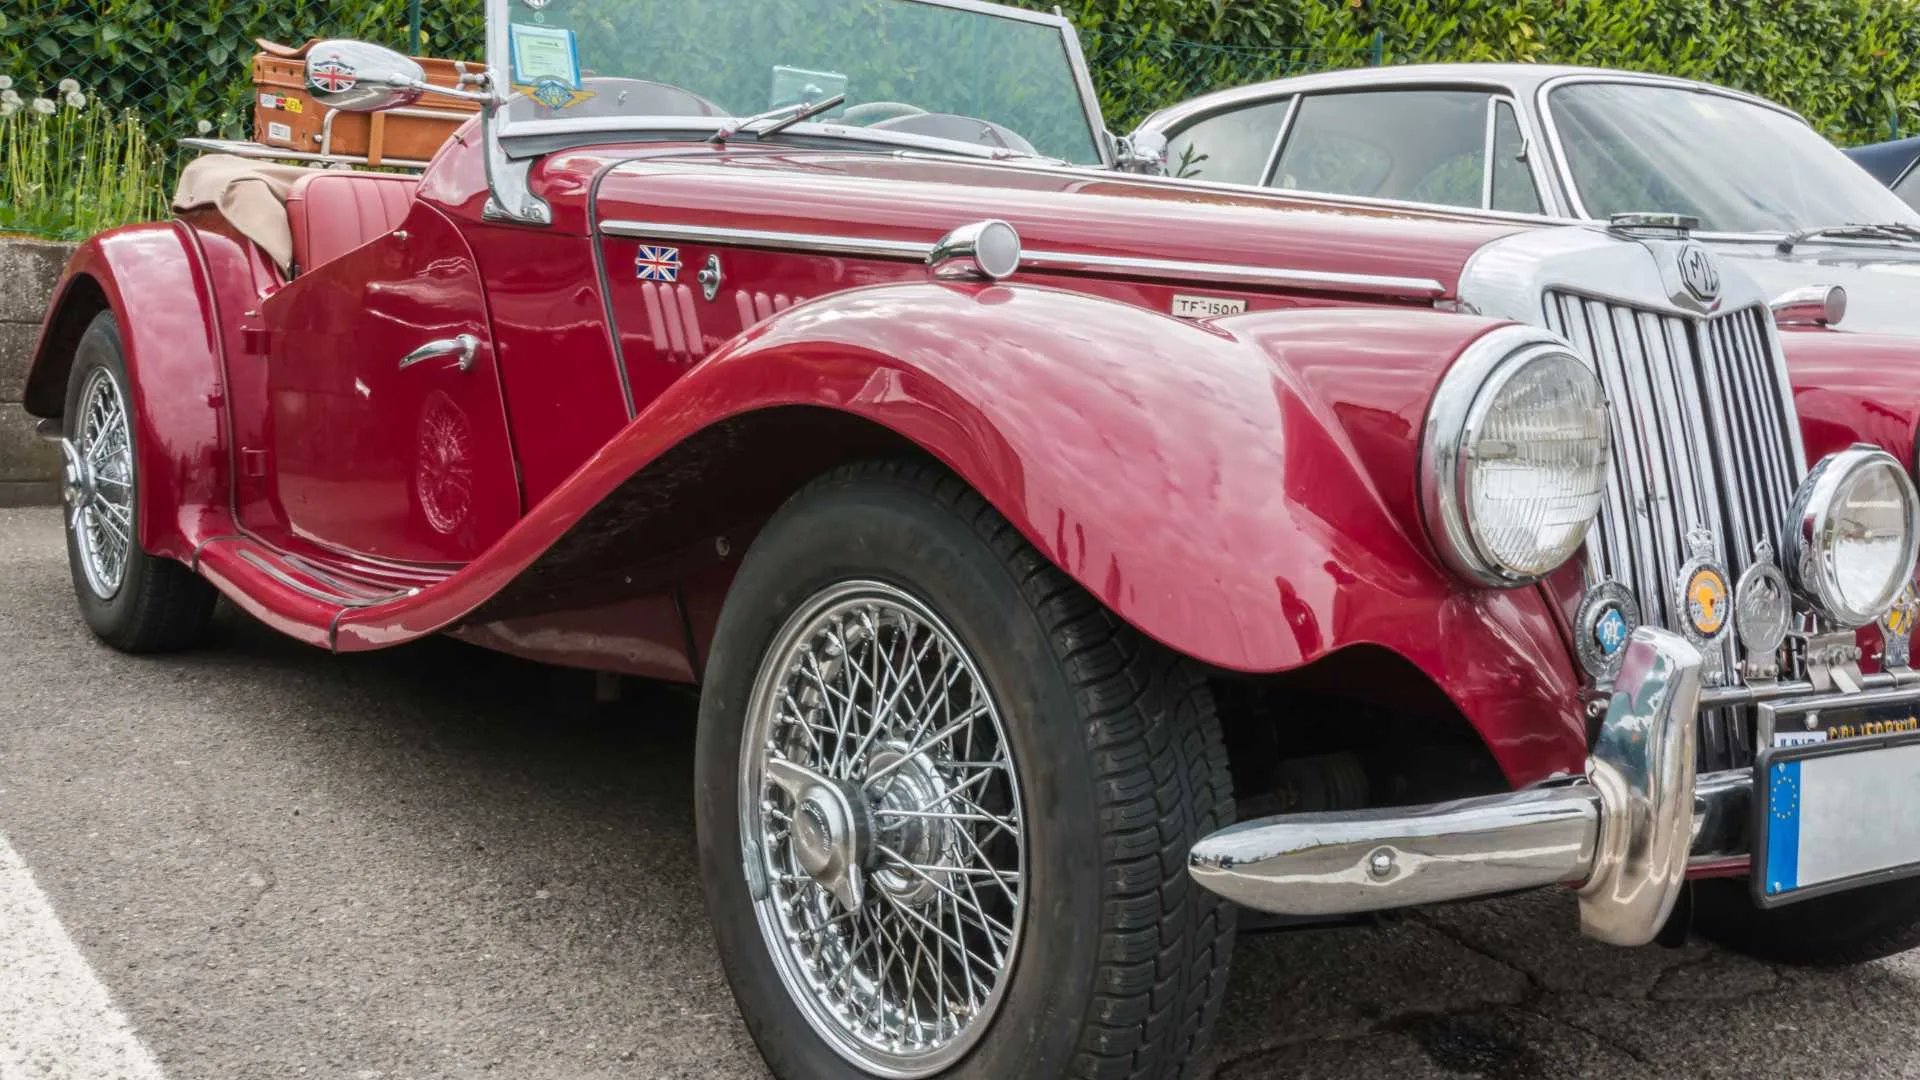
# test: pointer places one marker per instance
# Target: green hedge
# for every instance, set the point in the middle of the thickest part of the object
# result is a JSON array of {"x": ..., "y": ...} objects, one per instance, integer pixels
[
  {"x": 1848, "y": 65},
  {"x": 1844, "y": 64}
]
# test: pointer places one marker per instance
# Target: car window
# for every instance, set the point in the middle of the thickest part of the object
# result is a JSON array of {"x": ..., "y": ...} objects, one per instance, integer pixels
[
  {"x": 1417, "y": 145},
  {"x": 1512, "y": 180},
  {"x": 1908, "y": 188},
  {"x": 1230, "y": 147}
]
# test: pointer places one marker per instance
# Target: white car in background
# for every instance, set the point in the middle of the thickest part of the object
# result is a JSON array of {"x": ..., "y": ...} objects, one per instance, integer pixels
[{"x": 1530, "y": 140}]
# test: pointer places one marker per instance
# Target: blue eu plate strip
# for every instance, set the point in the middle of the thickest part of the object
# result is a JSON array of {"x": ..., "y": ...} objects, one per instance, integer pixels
[{"x": 1783, "y": 827}]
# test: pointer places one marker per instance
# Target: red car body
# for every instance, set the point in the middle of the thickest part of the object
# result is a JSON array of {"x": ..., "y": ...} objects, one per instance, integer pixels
[{"x": 1241, "y": 489}]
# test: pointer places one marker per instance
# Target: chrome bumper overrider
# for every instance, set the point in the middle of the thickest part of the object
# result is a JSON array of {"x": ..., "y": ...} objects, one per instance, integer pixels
[{"x": 1623, "y": 836}]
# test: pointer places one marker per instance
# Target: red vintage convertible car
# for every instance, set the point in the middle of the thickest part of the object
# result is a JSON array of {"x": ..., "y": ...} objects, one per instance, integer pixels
[{"x": 1067, "y": 560}]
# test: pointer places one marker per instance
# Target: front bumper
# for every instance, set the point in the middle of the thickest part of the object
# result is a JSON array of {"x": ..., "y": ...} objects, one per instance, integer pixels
[{"x": 1623, "y": 836}]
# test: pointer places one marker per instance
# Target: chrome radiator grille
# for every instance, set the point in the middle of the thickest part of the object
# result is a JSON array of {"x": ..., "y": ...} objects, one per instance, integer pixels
[{"x": 1705, "y": 436}]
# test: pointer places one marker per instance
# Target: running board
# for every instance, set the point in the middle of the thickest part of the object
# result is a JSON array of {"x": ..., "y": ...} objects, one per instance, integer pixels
[{"x": 295, "y": 594}]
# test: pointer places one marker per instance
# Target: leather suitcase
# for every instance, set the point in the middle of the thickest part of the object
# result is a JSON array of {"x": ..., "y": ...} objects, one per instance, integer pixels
[{"x": 286, "y": 116}]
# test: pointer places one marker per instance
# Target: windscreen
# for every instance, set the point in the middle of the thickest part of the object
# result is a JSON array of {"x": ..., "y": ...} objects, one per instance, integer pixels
[
  {"x": 1737, "y": 166},
  {"x": 950, "y": 70}
]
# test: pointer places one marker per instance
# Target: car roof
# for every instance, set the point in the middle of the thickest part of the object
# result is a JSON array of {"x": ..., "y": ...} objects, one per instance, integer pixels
[
  {"x": 1887, "y": 161},
  {"x": 1520, "y": 80}
]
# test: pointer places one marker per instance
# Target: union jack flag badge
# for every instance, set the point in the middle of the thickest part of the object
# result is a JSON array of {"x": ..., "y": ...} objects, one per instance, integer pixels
[
  {"x": 331, "y": 74},
  {"x": 657, "y": 263}
]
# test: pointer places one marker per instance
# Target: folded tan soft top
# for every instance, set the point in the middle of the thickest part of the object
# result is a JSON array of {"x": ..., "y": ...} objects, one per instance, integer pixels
[{"x": 249, "y": 193}]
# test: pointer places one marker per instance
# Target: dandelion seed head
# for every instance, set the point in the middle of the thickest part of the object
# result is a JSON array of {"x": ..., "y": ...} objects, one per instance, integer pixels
[
  {"x": 10, "y": 96},
  {"x": 6, "y": 82},
  {"x": 203, "y": 126},
  {"x": 43, "y": 106},
  {"x": 69, "y": 86},
  {"x": 8, "y": 108},
  {"x": 76, "y": 100}
]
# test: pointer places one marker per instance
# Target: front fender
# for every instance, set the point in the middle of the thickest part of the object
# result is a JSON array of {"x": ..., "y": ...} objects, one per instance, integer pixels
[
  {"x": 1240, "y": 492},
  {"x": 150, "y": 278}
]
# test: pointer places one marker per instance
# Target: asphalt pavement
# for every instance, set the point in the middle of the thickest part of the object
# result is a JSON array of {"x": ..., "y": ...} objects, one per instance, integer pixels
[{"x": 438, "y": 862}]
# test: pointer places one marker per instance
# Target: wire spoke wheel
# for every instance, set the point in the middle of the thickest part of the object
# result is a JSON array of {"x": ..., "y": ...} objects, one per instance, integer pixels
[
  {"x": 99, "y": 484},
  {"x": 881, "y": 805}
]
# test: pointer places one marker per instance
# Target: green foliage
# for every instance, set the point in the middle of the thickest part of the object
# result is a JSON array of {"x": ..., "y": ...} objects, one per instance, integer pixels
[
  {"x": 72, "y": 168},
  {"x": 180, "y": 62},
  {"x": 1844, "y": 64}
]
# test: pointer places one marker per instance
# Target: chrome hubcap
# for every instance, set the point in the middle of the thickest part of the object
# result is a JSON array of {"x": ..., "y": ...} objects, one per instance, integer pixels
[
  {"x": 881, "y": 811},
  {"x": 97, "y": 484}
]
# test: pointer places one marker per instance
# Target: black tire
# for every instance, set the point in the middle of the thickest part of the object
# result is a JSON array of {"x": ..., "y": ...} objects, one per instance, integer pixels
[
  {"x": 1122, "y": 964},
  {"x": 1827, "y": 931},
  {"x": 159, "y": 605}
]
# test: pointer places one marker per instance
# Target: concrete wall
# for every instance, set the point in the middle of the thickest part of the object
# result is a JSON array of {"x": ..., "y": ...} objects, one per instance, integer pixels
[{"x": 29, "y": 468}]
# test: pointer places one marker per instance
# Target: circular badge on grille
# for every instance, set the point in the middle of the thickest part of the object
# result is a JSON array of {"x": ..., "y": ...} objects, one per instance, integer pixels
[
  {"x": 1602, "y": 626},
  {"x": 1703, "y": 601},
  {"x": 1762, "y": 607}
]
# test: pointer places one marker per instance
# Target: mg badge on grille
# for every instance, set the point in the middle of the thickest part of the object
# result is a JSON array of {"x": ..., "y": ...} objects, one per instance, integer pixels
[
  {"x": 1699, "y": 273},
  {"x": 1704, "y": 594},
  {"x": 1605, "y": 620}
]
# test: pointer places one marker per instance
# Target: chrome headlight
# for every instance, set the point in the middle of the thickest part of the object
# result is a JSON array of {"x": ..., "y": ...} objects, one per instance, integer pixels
[
  {"x": 1853, "y": 534},
  {"x": 1515, "y": 457}
]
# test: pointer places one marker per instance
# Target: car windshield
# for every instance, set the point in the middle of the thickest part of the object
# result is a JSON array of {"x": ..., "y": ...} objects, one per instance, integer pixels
[
  {"x": 951, "y": 70},
  {"x": 1737, "y": 166}
]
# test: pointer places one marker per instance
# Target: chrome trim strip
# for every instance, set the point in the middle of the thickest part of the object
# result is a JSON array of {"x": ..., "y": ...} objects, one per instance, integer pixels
[
  {"x": 343, "y": 588},
  {"x": 1626, "y": 834},
  {"x": 1272, "y": 167},
  {"x": 605, "y": 283},
  {"x": 193, "y": 561},
  {"x": 1235, "y": 273},
  {"x": 1486, "y": 156},
  {"x": 814, "y": 243},
  {"x": 1718, "y": 696},
  {"x": 301, "y": 587},
  {"x": 1056, "y": 261}
]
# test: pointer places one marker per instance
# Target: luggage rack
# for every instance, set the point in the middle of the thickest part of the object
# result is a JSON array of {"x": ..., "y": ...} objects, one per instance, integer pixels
[{"x": 249, "y": 149}]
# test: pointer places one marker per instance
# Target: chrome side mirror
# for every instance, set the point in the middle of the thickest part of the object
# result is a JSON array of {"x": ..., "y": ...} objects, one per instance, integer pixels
[
  {"x": 357, "y": 76},
  {"x": 1143, "y": 152}
]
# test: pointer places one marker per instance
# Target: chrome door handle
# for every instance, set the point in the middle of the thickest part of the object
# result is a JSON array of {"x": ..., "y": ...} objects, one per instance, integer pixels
[{"x": 462, "y": 346}]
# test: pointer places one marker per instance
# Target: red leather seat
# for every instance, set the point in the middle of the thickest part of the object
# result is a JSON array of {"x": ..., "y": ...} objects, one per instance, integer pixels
[{"x": 331, "y": 213}]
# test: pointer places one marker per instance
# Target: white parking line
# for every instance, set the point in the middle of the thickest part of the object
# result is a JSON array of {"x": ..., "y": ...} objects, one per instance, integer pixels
[{"x": 57, "y": 1021}]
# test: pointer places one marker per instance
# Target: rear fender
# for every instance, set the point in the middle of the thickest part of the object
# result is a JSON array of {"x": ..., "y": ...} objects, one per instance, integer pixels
[
  {"x": 150, "y": 278},
  {"x": 1241, "y": 492}
]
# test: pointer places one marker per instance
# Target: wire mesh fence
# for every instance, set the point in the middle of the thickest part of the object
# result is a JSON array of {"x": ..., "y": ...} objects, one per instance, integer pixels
[
  {"x": 168, "y": 69},
  {"x": 1136, "y": 74}
]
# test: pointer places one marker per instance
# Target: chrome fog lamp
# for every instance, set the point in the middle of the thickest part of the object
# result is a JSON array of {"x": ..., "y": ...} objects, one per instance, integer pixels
[
  {"x": 1514, "y": 459},
  {"x": 1853, "y": 535}
]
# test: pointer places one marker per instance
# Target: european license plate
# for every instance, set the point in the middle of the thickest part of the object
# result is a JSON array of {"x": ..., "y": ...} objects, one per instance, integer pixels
[{"x": 1834, "y": 816}]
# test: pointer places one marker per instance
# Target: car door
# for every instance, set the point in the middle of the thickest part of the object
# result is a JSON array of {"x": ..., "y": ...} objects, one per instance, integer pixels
[{"x": 390, "y": 436}]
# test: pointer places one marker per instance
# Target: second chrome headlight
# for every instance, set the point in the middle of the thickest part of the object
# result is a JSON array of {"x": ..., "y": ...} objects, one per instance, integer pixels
[
  {"x": 1851, "y": 543},
  {"x": 1514, "y": 459}
]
